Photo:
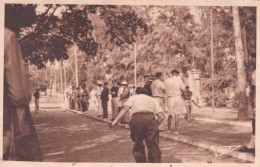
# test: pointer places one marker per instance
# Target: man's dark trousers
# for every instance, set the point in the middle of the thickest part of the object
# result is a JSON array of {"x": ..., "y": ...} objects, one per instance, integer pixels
[
  {"x": 104, "y": 105},
  {"x": 143, "y": 126}
]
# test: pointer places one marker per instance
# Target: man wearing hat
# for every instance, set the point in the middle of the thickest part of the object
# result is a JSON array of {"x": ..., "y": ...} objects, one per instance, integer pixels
[
  {"x": 99, "y": 90},
  {"x": 175, "y": 103},
  {"x": 143, "y": 125},
  {"x": 123, "y": 98},
  {"x": 104, "y": 98}
]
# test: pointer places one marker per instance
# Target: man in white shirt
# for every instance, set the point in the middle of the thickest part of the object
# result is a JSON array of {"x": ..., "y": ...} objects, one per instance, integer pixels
[
  {"x": 158, "y": 92},
  {"x": 143, "y": 125},
  {"x": 174, "y": 87}
]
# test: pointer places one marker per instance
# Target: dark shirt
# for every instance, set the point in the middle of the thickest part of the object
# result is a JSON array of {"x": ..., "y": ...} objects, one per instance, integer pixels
[
  {"x": 148, "y": 89},
  {"x": 37, "y": 95},
  {"x": 187, "y": 95},
  {"x": 104, "y": 94},
  {"x": 114, "y": 89}
]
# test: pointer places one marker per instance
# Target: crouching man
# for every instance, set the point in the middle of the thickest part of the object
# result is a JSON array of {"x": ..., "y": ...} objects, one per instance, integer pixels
[{"x": 143, "y": 125}]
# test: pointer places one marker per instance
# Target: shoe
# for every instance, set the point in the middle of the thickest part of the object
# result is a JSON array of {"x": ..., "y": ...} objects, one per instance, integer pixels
[{"x": 245, "y": 149}]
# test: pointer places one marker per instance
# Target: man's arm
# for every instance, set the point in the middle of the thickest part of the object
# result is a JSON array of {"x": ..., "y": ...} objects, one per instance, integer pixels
[
  {"x": 121, "y": 114},
  {"x": 161, "y": 117}
]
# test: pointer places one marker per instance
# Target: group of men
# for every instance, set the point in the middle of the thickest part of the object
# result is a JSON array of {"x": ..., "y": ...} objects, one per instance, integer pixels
[
  {"x": 78, "y": 98},
  {"x": 172, "y": 94},
  {"x": 147, "y": 108},
  {"x": 120, "y": 92}
]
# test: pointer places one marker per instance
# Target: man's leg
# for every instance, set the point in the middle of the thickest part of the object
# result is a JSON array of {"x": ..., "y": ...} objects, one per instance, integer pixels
[
  {"x": 83, "y": 106},
  {"x": 169, "y": 122},
  {"x": 187, "y": 110},
  {"x": 113, "y": 109},
  {"x": 104, "y": 104},
  {"x": 152, "y": 141},
  {"x": 176, "y": 121},
  {"x": 137, "y": 135}
]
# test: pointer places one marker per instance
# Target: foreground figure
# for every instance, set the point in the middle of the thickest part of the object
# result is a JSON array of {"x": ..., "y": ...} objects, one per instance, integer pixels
[
  {"x": 143, "y": 125},
  {"x": 19, "y": 135}
]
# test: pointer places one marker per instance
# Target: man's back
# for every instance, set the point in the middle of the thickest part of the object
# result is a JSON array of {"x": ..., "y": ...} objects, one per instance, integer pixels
[
  {"x": 173, "y": 86},
  {"x": 141, "y": 102},
  {"x": 157, "y": 88}
]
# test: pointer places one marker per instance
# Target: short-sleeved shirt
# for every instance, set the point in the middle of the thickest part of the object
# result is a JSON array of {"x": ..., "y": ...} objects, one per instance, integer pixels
[
  {"x": 157, "y": 88},
  {"x": 173, "y": 86},
  {"x": 143, "y": 103}
]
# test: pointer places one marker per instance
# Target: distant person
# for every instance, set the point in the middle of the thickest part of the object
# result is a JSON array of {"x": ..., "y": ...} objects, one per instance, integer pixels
[
  {"x": 175, "y": 103},
  {"x": 85, "y": 98},
  {"x": 20, "y": 141},
  {"x": 147, "y": 85},
  {"x": 123, "y": 98},
  {"x": 79, "y": 99},
  {"x": 143, "y": 125},
  {"x": 105, "y": 98},
  {"x": 37, "y": 99},
  {"x": 115, "y": 100},
  {"x": 98, "y": 95},
  {"x": 187, "y": 94}
]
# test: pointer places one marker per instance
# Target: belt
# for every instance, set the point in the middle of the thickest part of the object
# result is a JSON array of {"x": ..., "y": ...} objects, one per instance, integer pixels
[
  {"x": 144, "y": 112},
  {"x": 158, "y": 96}
]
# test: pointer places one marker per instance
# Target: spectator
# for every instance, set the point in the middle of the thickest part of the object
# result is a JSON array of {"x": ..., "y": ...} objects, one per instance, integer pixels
[
  {"x": 37, "y": 99},
  {"x": 104, "y": 98},
  {"x": 85, "y": 98},
  {"x": 114, "y": 101}
]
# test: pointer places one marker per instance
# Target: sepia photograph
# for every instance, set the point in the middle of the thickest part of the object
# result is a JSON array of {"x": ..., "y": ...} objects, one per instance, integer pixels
[{"x": 122, "y": 83}]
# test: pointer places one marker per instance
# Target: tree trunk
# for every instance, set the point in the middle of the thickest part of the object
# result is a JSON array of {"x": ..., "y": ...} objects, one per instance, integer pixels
[{"x": 241, "y": 73}]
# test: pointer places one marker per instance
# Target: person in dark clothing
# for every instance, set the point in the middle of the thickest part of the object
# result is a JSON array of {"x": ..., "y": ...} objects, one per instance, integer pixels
[
  {"x": 114, "y": 101},
  {"x": 143, "y": 125},
  {"x": 104, "y": 98},
  {"x": 85, "y": 98},
  {"x": 147, "y": 85},
  {"x": 37, "y": 99}
]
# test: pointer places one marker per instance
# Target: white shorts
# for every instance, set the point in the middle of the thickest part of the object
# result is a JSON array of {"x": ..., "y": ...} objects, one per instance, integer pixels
[{"x": 175, "y": 105}]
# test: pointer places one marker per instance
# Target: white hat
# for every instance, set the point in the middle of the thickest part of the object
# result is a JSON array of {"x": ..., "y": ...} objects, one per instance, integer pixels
[
  {"x": 124, "y": 83},
  {"x": 99, "y": 83}
]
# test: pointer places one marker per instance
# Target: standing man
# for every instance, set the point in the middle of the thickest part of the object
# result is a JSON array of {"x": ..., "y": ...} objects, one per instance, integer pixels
[
  {"x": 85, "y": 97},
  {"x": 37, "y": 99},
  {"x": 123, "y": 98},
  {"x": 158, "y": 90},
  {"x": 104, "y": 98},
  {"x": 99, "y": 91},
  {"x": 114, "y": 101},
  {"x": 147, "y": 85},
  {"x": 174, "y": 87},
  {"x": 79, "y": 99},
  {"x": 143, "y": 125}
]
